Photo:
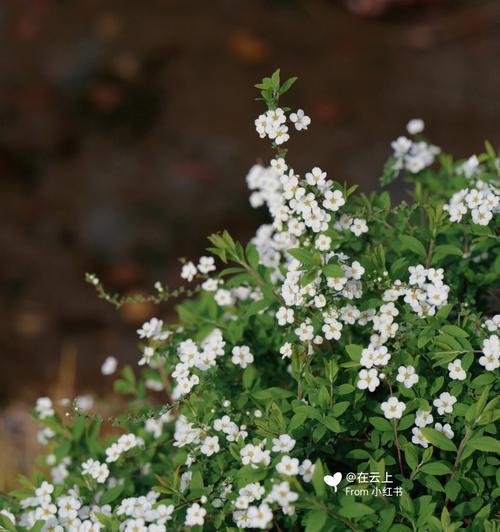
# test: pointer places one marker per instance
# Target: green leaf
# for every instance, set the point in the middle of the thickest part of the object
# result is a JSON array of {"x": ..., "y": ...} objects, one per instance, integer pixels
[
  {"x": 354, "y": 351},
  {"x": 444, "y": 250},
  {"x": 6, "y": 523},
  {"x": 296, "y": 421},
  {"x": 287, "y": 84},
  {"x": 333, "y": 270},
  {"x": 111, "y": 494},
  {"x": 305, "y": 257},
  {"x": 339, "y": 408},
  {"x": 248, "y": 376},
  {"x": 411, "y": 456},
  {"x": 315, "y": 520},
  {"x": 438, "y": 439},
  {"x": 452, "y": 489},
  {"x": 331, "y": 424},
  {"x": 381, "y": 424},
  {"x": 486, "y": 444},
  {"x": 413, "y": 244},
  {"x": 453, "y": 330},
  {"x": 317, "y": 479},
  {"x": 355, "y": 509},
  {"x": 435, "y": 468},
  {"x": 79, "y": 427}
]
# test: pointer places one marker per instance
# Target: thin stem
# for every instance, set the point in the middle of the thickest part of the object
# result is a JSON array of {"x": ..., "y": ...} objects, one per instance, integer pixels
[
  {"x": 429, "y": 254},
  {"x": 460, "y": 451},
  {"x": 398, "y": 446}
]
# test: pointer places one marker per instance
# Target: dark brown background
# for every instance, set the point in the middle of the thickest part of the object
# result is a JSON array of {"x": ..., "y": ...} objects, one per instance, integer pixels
[{"x": 126, "y": 131}]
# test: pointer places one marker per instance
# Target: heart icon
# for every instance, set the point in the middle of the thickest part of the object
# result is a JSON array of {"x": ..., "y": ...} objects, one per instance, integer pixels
[{"x": 333, "y": 480}]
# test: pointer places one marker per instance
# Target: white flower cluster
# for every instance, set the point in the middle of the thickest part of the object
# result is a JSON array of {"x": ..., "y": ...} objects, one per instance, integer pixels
[
  {"x": 232, "y": 431},
  {"x": 265, "y": 184},
  {"x": 349, "y": 286},
  {"x": 483, "y": 202},
  {"x": 252, "y": 516},
  {"x": 413, "y": 155},
  {"x": 186, "y": 433},
  {"x": 153, "y": 330},
  {"x": 296, "y": 206},
  {"x": 358, "y": 226},
  {"x": 272, "y": 124},
  {"x": 205, "y": 266},
  {"x": 44, "y": 407},
  {"x": 144, "y": 514},
  {"x": 444, "y": 404},
  {"x": 470, "y": 167},
  {"x": 493, "y": 324},
  {"x": 60, "y": 513},
  {"x": 154, "y": 426},
  {"x": 491, "y": 353},
  {"x": 426, "y": 292},
  {"x": 125, "y": 443},
  {"x": 201, "y": 357},
  {"x": 95, "y": 469}
]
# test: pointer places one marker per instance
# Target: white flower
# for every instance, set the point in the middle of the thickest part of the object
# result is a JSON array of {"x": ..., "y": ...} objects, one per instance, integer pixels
[
  {"x": 288, "y": 466},
  {"x": 195, "y": 515},
  {"x": 415, "y": 126},
  {"x": 456, "y": 370},
  {"x": 418, "y": 437},
  {"x": 305, "y": 332},
  {"x": 188, "y": 271},
  {"x": 223, "y": 297},
  {"x": 282, "y": 494},
  {"x": 44, "y": 407},
  {"x": 241, "y": 356},
  {"x": 359, "y": 226},
  {"x": 283, "y": 444},
  {"x": 306, "y": 470},
  {"x": 153, "y": 329},
  {"x": 206, "y": 264},
  {"x": 368, "y": 379},
  {"x": 279, "y": 165},
  {"x": 323, "y": 243},
  {"x": 259, "y": 516},
  {"x": 444, "y": 403},
  {"x": 333, "y": 200},
  {"x": 300, "y": 120},
  {"x": 445, "y": 429},
  {"x": 481, "y": 215},
  {"x": 491, "y": 353},
  {"x": 210, "y": 446},
  {"x": 279, "y": 135},
  {"x": 493, "y": 324},
  {"x": 45, "y": 490},
  {"x": 355, "y": 271},
  {"x": 316, "y": 177},
  {"x": 392, "y": 408},
  {"x": 285, "y": 315},
  {"x": 407, "y": 375},
  {"x": 210, "y": 285},
  {"x": 101, "y": 473},
  {"x": 332, "y": 329},
  {"x": 470, "y": 167},
  {"x": 423, "y": 418},
  {"x": 286, "y": 350},
  {"x": 109, "y": 366}
]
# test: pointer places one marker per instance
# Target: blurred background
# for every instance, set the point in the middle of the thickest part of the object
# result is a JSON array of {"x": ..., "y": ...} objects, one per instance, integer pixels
[{"x": 126, "y": 132}]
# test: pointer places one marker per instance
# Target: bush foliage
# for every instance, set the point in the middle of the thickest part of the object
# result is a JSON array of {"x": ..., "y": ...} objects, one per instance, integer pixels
[{"x": 338, "y": 372}]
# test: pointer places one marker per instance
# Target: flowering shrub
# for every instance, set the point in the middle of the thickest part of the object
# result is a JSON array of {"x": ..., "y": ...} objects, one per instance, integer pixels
[{"x": 338, "y": 372}]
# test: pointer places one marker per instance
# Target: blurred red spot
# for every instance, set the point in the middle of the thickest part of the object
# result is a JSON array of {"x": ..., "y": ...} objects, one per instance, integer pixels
[{"x": 325, "y": 111}]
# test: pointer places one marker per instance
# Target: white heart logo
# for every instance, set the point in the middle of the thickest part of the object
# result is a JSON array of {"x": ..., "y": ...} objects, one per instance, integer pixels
[{"x": 333, "y": 480}]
